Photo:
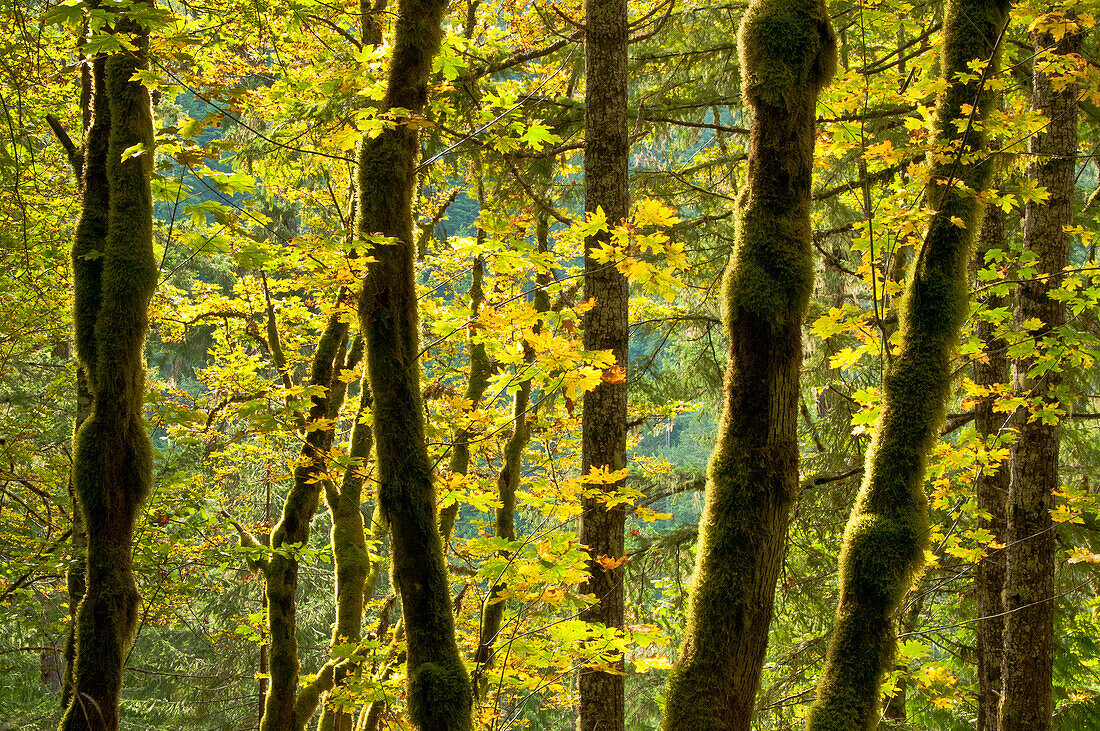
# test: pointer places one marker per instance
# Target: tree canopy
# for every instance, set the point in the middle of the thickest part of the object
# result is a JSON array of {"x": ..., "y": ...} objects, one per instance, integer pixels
[{"x": 406, "y": 284}]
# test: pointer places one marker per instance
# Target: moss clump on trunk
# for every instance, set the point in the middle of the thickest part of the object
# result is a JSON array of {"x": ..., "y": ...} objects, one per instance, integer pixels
[
  {"x": 787, "y": 55},
  {"x": 439, "y": 694},
  {"x": 886, "y": 535},
  {"x": 114, "y": 273}
]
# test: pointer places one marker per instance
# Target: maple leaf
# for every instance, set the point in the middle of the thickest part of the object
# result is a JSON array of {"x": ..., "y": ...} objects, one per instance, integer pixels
[
  {"x": 610, "y": 564},
  {"x": 614, "y": 374}
]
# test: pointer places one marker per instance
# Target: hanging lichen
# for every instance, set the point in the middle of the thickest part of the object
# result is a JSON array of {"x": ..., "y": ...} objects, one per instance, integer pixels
[
  {"x": 886, "y": 535},
  {"x": 787, "y": 56}
]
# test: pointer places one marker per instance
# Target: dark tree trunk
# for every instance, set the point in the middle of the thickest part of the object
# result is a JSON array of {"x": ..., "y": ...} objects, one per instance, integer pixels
[
  {"x": 606, "y": 327},
  {"x": 991, "y": 487},
  {"x": 1026, "y": 702},
  {"x": 886, "y": 535},
  {"x": 114, "y": 273},
  {"x": 787, "y": 51},
  {"x": 439, "y": 696}
]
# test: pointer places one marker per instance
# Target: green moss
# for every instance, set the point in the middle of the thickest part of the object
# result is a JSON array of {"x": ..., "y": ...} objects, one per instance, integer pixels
[
  {"x": 114, "y": 277},
  {"x": 887, "y": 533},
  {"x": 787, "y": 54},
  {"x": 439, "y": 687}
]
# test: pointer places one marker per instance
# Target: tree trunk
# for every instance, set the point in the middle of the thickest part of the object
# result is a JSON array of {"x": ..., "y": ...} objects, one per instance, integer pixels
[
  {"x": 886, "y": 535},
  {"x": 76, "y": 573},
  {"x": 606, "y": 327},
  {"x": 280, "y": 571},
  {"x": 492, "y": 611},
  {"x": 788, "y": 54},
  {"x": 480, "y": 367},
  {"x": 1026, "y": 702},
  {"x": 991, "y": 487},
  {"x": 114, "y": 273},
  {"x": 439, "y": 696}
]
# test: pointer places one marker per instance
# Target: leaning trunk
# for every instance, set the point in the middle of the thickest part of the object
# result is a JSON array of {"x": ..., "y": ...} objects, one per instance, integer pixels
[
  {"x": 787, "y": 52},
  {"x": 1026, "y": 702},
  {"x": 114, "y": 273},
  {"x": 886, "y": 534},
  {"x": 438, "y": 688}
]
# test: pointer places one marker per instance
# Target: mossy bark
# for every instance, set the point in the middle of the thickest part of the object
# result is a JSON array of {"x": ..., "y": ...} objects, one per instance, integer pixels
[
  {"x": 279, "y": 567},
  {"x": 991, "y": 487},
  {"x": 114, "y": 273},
  {"x": 480, "y": 367},
  {"x": 606, "y": 327},
  {"x": 351, "y": 558},
  {"x": 1026, "y": 701},
  {"x": 76, "y": 573},
  {"x": 787, "y": 56},
  {"x": 887, "y": 532},
  {"x": 439, "y": 695}
]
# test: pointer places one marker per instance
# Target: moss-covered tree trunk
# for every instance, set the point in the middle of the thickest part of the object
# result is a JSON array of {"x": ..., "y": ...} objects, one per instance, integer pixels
[
  {"x": 114, "y": 274},
  {"x": 606, "y": 327},
  {"x": 77, "y": 570},
  {"x": 787, "y": 55},
  {"x": 439, "y": 695},
  {"x": 280, "y": 567},
  {"x": 1026, "y": 701},
  {"x": 351, "y": 559},
  {"x": 887, "y": 532},
  {"x": 991, "y": 487}
]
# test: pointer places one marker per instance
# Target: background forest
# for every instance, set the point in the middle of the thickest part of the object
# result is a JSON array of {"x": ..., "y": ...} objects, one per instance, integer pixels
[{"x": 259, "y": 108}]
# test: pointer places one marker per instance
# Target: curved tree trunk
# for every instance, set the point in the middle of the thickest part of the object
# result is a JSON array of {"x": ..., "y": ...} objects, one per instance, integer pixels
[
  {"x": 1026, "y": 702},
  {"x": 280, "y": 570},
  {"x": 787, "y": 51},
  {"x": 114, "y": 273},
  {"x": 439, "y": 695},
  {"x": 606, "y": 327},
  {"x": 887, "y": 532}
]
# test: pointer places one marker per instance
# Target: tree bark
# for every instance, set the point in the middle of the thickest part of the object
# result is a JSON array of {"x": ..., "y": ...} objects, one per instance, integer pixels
[
  {"x": 1027, "y": 702},
  {"x": 886, "y": 535},
  {"x": 788, "y": 54},
  {"x": 291, "y": 533},
  {"x": 991, "y": 487},
  {"x": 114, "y": 273},
  {"x": 439, "y": 695},
  {"x": 606, "y": 327}
]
